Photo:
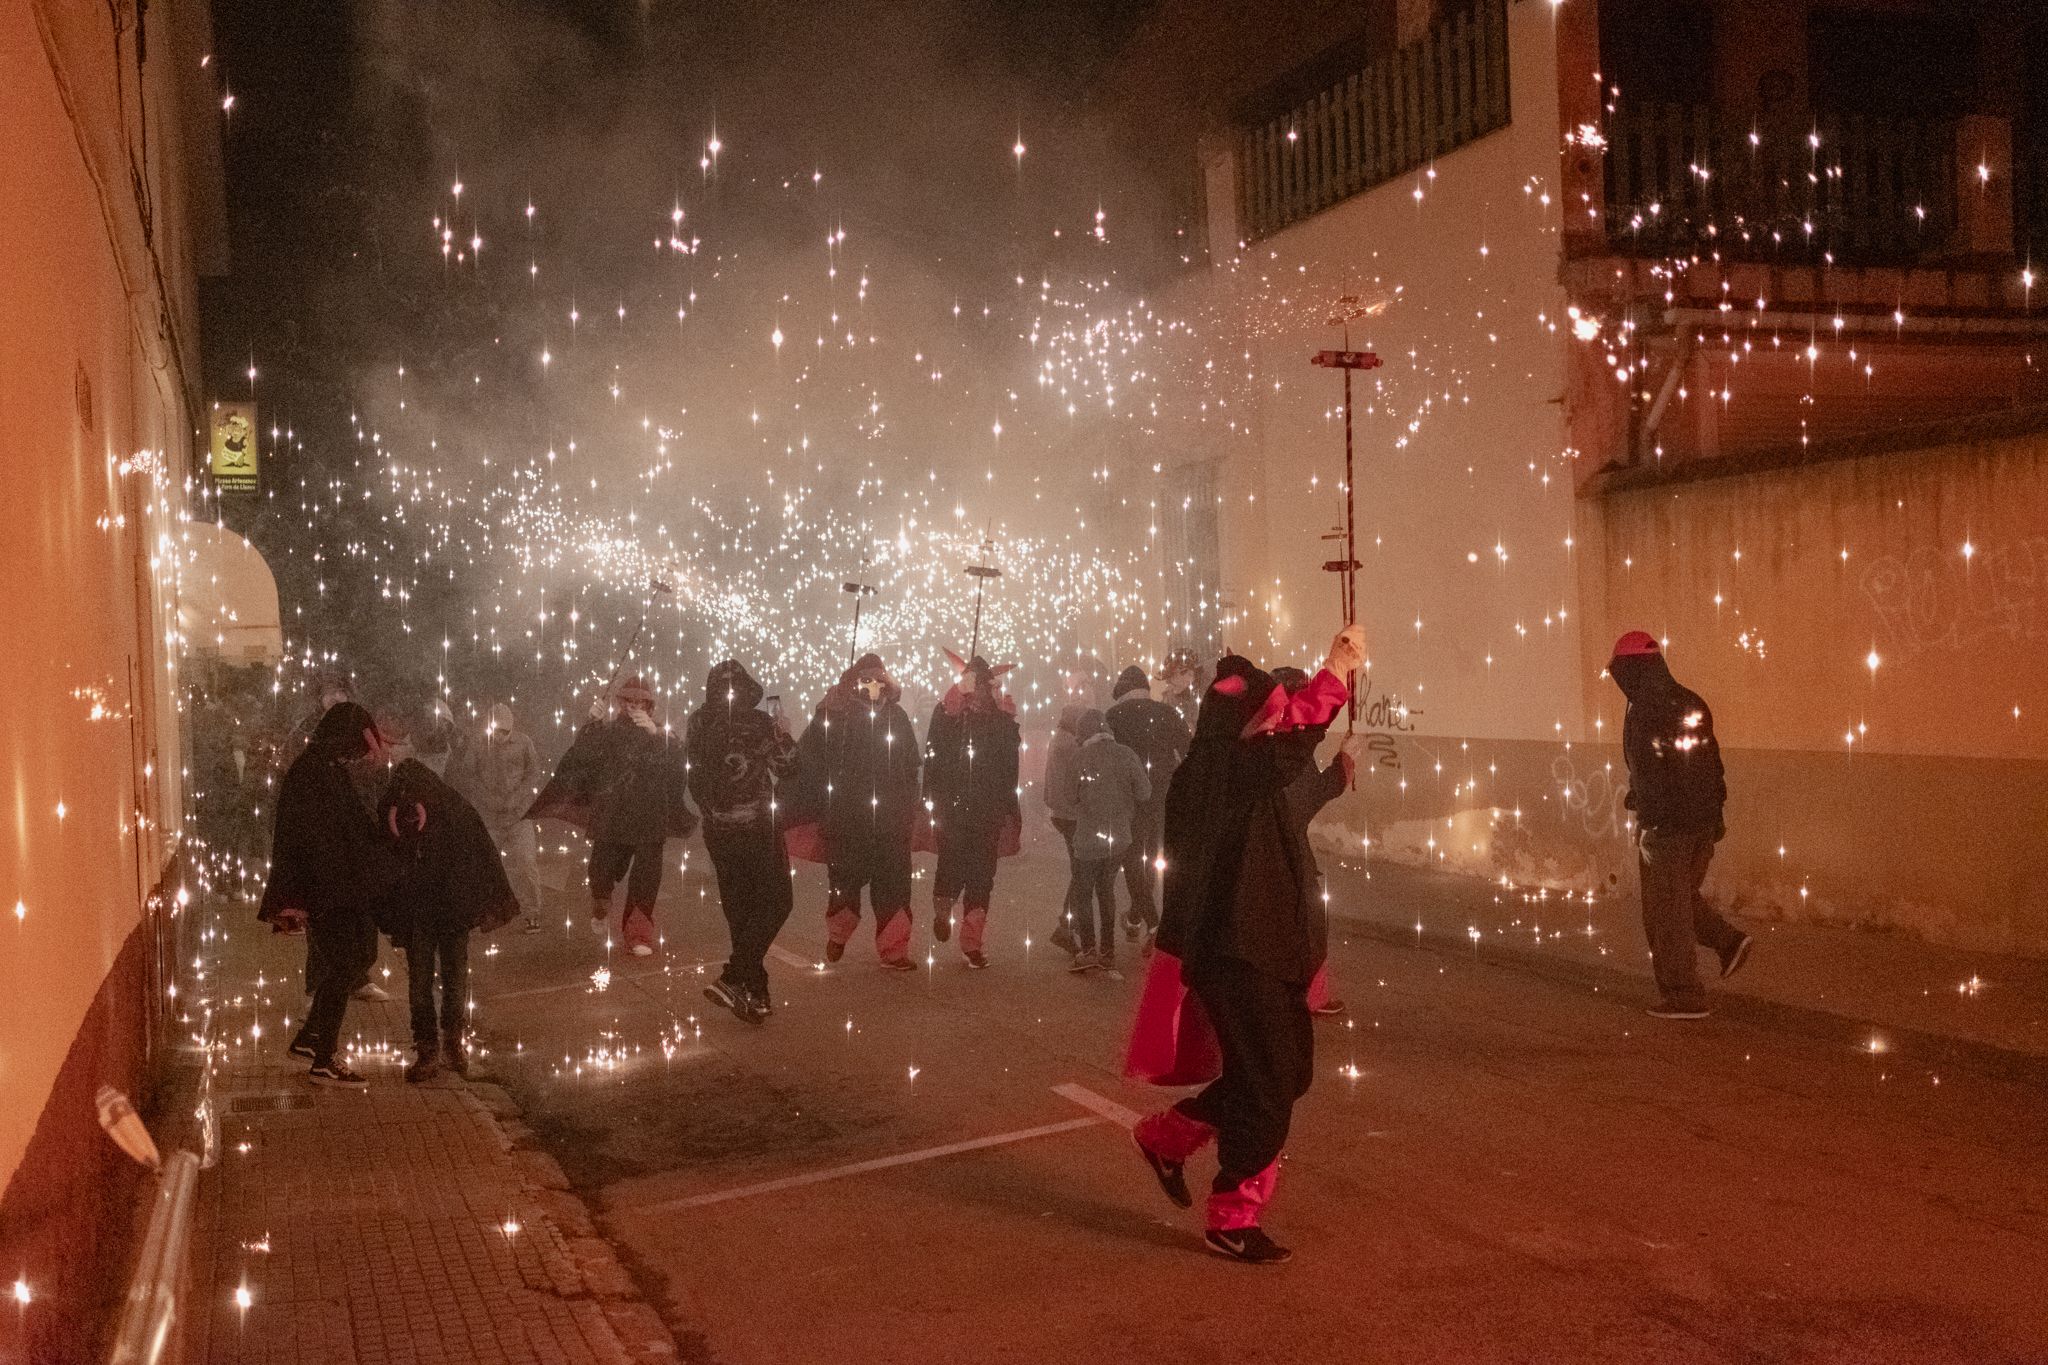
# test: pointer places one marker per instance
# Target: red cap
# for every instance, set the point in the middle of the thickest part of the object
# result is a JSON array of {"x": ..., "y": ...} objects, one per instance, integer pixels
[
  {"x": 1636, "y": 643},
  {"x": 635, "y": 692}
]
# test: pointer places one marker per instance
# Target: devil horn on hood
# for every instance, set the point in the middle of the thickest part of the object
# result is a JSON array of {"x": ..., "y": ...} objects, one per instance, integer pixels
[
  {"x": 1000, "y": 669},
  {"x": 959, "y": 664}
]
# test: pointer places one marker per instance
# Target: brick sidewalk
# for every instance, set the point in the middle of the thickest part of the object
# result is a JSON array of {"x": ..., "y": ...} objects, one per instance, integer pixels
[{"x": 390, "y": 1226}]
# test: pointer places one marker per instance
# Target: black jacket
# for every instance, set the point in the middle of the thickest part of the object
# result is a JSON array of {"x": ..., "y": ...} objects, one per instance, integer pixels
[
  {"x": 970, "y": 766},
  {"x": 857, "y": 768},
  {"x": 451, "y": 879},
  {"x": 1154, "y": 732},
  {"x": 325, "y": 856},
  {"x": 620, "y": 784},
  {"x": 737, "y": 755},
  {"x": 1241, "y": 882},
  {"x": 1675, "y": 781}
]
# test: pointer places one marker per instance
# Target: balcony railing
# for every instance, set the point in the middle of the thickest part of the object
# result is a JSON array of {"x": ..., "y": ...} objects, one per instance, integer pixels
[
  {"x": 1853, "y": 189},
  {"x": 1436, "y": 94}
]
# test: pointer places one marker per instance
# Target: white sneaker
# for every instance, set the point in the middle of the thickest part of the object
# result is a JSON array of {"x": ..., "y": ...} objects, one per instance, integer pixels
[
  {"x": 643, "y": 950},
  {"x": 600, "y": 926},
  {"x": 372, "y": 991}
]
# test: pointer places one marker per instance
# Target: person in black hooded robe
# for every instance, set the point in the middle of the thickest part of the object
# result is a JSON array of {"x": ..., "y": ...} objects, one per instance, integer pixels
[
  {"x": 1241, "y": 913},
  {"x": 328, "y": 871}
]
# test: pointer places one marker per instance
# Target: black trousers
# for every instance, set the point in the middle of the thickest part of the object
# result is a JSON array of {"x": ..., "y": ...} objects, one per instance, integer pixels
[
  {"x": 1091, "y": 903},
  {"x": 430, "y": 953},
  {"x": 1148, "y": 834},
  {"x": 755, "y": 893},
  {"x": 639, "y": 864},
  {"x": 967, "y": 864},
  {"x": 340, "y": 948},
  {"x": 1268, "y": 1040},
  {"x": 882, "y": 865}
]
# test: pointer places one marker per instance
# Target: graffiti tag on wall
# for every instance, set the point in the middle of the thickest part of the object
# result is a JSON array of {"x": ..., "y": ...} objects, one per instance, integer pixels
[
  {"x": 1942, "y": 599},
  {"x": 1596, "y": 801}
]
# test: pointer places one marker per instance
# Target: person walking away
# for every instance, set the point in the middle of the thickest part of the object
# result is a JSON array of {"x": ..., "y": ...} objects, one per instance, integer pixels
[
  {"x": 328, "y": 870},
  {"x": 1676, "y": 788},
  {"x": 1159, "y": 736},
  {"x": 970, "y": 794},
  {"x": 1112, "y": 788},
  {"x": 623, "y": 783},
  {"x": 1241, "y": 936},
  {"x": 739, "y": 754},
  {"x": 1313, "y": 790},
  {"x": 1062, "y": 796},
  {"x": 856, "y": 805},
  {"x": 498, "y": 775},
  {"x": 451, "y": 883}
]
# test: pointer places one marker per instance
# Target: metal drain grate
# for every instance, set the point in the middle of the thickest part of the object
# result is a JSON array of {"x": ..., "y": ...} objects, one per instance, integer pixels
[{"x": 269, "y": 1102}]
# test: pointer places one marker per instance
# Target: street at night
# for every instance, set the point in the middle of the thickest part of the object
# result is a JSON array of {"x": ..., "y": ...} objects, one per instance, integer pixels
[{"x": 981, "y": 680}]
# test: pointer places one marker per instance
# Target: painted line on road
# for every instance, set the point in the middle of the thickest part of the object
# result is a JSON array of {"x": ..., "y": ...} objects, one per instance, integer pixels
[
  {"x": 581, "y": 983},
  {"x": 881, "y": 1163},
  {"x": 785, "y": 956},
  {"x": 1100, "y": 1104}
]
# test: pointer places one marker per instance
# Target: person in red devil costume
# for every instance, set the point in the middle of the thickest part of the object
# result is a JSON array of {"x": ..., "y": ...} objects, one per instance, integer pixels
[
  {"x": 854, "y": 806},
  {"x": 970, "y": 796},
  {"x": 1241, "y": 936}
]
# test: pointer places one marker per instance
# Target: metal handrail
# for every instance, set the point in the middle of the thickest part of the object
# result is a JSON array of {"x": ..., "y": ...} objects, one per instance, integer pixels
[{"x": 157, "y": 1291}]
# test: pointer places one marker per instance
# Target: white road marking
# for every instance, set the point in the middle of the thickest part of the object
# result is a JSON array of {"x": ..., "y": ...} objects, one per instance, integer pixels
[
  {"x": 880, "y": 1163},
  {"x": 784, "y": 955},
  {"x": 581, "y": 983},
  {"x": 1100, "y": 1104}
]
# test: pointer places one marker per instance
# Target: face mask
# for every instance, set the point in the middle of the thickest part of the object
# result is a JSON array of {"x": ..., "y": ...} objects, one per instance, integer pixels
[{"x": 872, "y": 687}]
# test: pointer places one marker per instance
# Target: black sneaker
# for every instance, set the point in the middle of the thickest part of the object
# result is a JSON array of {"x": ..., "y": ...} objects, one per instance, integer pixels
[
  {"x": 455, "y": 1056},
  {"x": 834, "y": 951},
  {"x": 1732, "y": 960},
  {"x": 978, "y": 961},
  {"x": 1667, "y": 1010},
  {"x": 942, "y": 925},
  {"x": 731, "y": 997},
  {"x": 424, "y": 1068},
  {"x": 1250, "y": 1245},
  {"x": 531, "y": 926},
  {"x": 764, "y": 1002},
  {"x": 299, "y": 1050},
  {"x": 1063, "y": 939},
  {"x": 1328, "y": 1007},
  {"x": 1172, "y": 1176},
  {"x": 898, "y": 964},
  {"x": 1085, "y": 961},
  {"x": 335, "y": 1073}
]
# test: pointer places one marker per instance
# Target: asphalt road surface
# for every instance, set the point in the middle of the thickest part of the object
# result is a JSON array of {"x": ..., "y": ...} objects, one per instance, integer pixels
[{"x": 1490, "y": 1167}]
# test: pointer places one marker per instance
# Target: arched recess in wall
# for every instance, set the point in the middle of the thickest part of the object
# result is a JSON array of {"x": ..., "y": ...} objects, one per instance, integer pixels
[{"x": 227, "y": 600}]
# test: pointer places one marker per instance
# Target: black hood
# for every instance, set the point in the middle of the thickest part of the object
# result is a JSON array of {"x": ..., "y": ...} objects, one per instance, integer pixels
[
  {"x": 731, "y": 686},
  {"x": 1223, "y": 716},
  {"x": 339, "y": 735},
  {"x": 1637, "y": 674},
  {"x": 1132, "y": 679}
]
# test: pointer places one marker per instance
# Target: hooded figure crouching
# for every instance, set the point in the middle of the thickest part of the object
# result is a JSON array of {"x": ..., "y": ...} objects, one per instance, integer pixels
[
  {"x": 624, "y": 785},
  {"x": 970, "y": 794},
  {"x": 739, "y": 754},
  {"x": 855, "y": 805}
]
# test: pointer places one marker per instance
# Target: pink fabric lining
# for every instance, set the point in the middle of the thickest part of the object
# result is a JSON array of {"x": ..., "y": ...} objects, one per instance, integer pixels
[
  {"x": 973, "y": 925},
  {"x": 892, "y": 936},
  {"x": 1172, "y": 1041},
  {"x": 1171, "y": 1135},
  {"x": 1315, "y": 702},
  {"x": 1237, "y": 1208}
]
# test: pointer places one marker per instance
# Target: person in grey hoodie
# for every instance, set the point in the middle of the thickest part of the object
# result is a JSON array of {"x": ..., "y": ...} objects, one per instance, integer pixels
[
  {"x": 1062, "y": 793},
  {"x": 499, "y": 775},
  {"x": 1112, "y": 789}
]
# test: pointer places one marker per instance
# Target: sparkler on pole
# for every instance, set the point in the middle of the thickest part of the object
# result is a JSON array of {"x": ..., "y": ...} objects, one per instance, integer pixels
[
  {"x": 858, "y": 590},
  {"x": 981, "y": 573},
  {"x": 1347, "y": 360},
  {"x": 657, "y": 586}
]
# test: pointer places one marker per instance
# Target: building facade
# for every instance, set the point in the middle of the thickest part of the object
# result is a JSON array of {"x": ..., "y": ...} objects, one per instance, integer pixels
[
  {"x": 1690, "y": 322},
  {"x": 110, "y": 208}
]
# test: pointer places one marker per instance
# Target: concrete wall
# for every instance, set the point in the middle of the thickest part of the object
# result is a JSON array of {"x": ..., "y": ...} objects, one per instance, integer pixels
[
  {"x": 1464, "y": 482},
  {"x": 1911, "y": 794},
  {"x": 96, "y": 420}
]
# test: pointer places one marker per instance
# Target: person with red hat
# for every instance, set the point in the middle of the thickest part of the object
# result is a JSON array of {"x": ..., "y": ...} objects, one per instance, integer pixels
[
  {"x": 1676, "y": 789},
  {"x": 625, "y": 785},
  {"x": 972, "y": 814}
]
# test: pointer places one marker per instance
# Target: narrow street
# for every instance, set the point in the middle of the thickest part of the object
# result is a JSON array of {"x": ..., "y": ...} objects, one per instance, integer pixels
[{"x": 1490, "y": 1167}]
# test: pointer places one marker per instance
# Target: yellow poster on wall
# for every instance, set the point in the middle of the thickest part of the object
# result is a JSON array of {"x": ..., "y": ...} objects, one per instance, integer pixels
[{"x": 235, "y": 458}]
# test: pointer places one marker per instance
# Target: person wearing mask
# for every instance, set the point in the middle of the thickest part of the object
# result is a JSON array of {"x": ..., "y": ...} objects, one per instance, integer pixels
[
  {"x": 328, "y": 872},
  {"x": 451, "y": 883},
  {"x": 1241, "y": 936},
  {"x": 1676, "y": 789},
  {"x": 855, "y": 801},
  {"x": 499, "y": 775},
  {"x": 1158, "y": 735},
  {"x": 1111, "y": 788},
  {"x": 623, "y": 783},
  {"x": 970, "y": 794},
  {"x": 739, "y": 754},
  {"x": 1062, "y": 795}
]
